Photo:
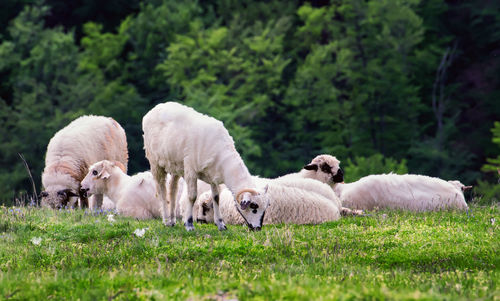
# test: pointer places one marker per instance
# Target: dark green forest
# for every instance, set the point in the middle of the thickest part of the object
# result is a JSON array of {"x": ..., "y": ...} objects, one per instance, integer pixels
[{"x": 408, "y": 86}]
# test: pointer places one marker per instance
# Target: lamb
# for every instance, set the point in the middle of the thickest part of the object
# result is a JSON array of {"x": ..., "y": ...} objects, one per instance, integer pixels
[
  {"x": 290, "y": 203},
  {"x": 180, "y": 141},
  {"x": 407, "y": 192},
  {"x": 133, "y": 196},
  {"x": 72, "y": 151}
]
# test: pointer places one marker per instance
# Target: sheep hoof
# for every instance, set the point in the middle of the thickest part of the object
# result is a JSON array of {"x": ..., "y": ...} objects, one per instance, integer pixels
[
  {"x": 189, "y": 226},
  {"x": 169, "y": 223},
  {"x": 221, "y": 226}
]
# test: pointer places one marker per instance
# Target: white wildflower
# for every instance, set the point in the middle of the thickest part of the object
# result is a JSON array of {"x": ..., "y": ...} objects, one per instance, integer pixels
[
  {"x": 492, "y": 220},
  {"x": 36, "y": 241},
  {"x": 140, "y": 232},
  {"x": 111, "y": 218}
]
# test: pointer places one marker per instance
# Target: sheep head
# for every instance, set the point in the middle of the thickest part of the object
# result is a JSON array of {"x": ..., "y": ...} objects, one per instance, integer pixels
[
  {"x": 206, "y": 208},
  {"x": 252, "y": 205},
  {"x": 56, "y": 197},
  {"x": 459, "y": 185},
  {"x": 326, "y": 169},
  {"x": 96, "y": 179}
]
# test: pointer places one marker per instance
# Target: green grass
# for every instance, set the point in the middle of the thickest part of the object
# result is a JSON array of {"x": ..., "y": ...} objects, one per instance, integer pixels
[{"x": 388, "y": 255}]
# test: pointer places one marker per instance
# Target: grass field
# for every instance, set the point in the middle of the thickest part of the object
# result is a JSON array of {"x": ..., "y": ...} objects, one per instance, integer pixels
[{"x": 387, "y": 255}]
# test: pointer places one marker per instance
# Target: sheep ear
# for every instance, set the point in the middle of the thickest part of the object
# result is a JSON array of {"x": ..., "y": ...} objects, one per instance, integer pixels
[
  {"x": 466, "y": 188},
  {"x": 244, "y": 204},
  {"x": 104, "y": 174},
  {"x": 67, "y": 193},
  {"x": 311, "y": 167},
  {"x": 70, "y": 193}
]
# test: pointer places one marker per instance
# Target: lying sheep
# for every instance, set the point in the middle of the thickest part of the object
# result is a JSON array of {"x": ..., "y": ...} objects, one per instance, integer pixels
[
  {"x": 407, "y": 192},
  {"x": 180, "y": 141},
  {"x": 133, "y": 196},
  {"x": 289, "y": 203},
  {"x": 459, "y": 185},
  {"x": 326, "y": 169},
  {"x": 72, "y": 151}
]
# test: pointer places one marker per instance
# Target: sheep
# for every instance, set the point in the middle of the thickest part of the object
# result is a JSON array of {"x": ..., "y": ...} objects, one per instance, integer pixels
[
  {"x": 407, "y": 192},
  {"x": 459, "y": 185},
  {"x": 133, "y": 196},
  {"x": 290, "y": 203},
  {"x": 72, "y": 151},
  {"x": 382, "y": 191},
  {"x": 183, "y": 142},
  {"x": 324, "y": 168}
]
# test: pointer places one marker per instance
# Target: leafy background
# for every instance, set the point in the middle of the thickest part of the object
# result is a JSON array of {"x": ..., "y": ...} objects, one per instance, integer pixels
[{"x": 403, "y": 86}]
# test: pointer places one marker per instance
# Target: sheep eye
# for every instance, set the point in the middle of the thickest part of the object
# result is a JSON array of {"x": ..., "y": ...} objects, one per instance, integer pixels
[
  {"x": 254, "y": 206},
  {"x": 94, "y": 172},
  {"x": 326, "y": 168}
]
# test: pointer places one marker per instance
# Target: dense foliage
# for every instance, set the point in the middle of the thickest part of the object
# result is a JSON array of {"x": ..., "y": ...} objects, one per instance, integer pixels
[
  {"x": 46, "y": 254},
  {"x": 414, "y": 81}
]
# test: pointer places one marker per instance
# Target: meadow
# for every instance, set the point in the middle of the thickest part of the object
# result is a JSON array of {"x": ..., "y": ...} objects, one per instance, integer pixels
[{"x": 77, "y": 254}]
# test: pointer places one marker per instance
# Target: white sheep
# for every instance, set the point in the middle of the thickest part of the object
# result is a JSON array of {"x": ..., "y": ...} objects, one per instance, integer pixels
[
  {"x": 180, "y": 141},
  {"x": 290, "y": 203},
  {"x": 133, "y": 196},
  {"x": 459, "y": 185},
  {"x": 72, "y": 151},
  {"x": 326, "y": 169},
  {"x": 407, "y": 192}
]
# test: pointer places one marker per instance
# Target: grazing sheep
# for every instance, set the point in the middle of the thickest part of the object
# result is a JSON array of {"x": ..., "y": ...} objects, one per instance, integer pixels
[
  {"x": 180, "y": 141},
  {"x": 289, "y": 203},
  {"x": 72, "y": 150},
  {"x": 407, "y": 192}
]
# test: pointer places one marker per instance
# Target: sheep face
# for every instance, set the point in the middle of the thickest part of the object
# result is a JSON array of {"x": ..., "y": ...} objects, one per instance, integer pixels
[
  {"x": 206, "y": 211},
  {"x": 95, "y": 180},
  {"x": 57, "y": 197},
  {"x": 326, "y": 169},
  {"x": 252, "y": 206}
]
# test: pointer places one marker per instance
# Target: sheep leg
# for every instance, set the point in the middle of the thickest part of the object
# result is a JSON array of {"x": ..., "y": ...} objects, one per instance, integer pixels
[
  {"x": 95, "y": 201},
  {"x": 172, "y": 192},
  {"x": 161, "y": 192},
  {"x": 217, "y": 217},
  {"x": 192, "y": 189}
]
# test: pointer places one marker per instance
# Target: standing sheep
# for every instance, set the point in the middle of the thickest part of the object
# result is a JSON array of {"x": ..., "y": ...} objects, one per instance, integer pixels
[
  {"x": 290, "y": 203},
  {"x": 72, "y": 150},
  {"x": 407, "y": 192},
  {"x": 180, "y": 141}
]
